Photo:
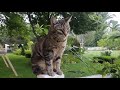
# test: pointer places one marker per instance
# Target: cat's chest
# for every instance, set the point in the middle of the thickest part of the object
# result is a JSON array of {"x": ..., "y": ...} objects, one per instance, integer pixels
[{"x": 59, "y": 49}]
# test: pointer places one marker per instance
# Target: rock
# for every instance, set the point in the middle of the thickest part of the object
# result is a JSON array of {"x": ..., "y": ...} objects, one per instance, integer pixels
[{"x": 47, "y": 76}]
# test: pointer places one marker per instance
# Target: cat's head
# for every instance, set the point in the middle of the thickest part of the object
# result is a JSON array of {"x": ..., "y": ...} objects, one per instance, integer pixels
[{"x": 60, "y": 27}]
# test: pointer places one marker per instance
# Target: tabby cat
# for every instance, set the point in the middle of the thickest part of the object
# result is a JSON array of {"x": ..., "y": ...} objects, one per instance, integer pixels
[{"x": 48, "y": 51}]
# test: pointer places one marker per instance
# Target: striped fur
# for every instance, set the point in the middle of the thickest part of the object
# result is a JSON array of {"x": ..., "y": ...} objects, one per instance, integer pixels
[{"x": 48, "y": 51}]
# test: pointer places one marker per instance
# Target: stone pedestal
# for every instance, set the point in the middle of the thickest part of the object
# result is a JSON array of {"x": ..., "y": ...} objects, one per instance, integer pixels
[{"x": 47, "y": 76}]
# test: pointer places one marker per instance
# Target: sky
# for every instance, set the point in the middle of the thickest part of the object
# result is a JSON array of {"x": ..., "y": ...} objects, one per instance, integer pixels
[{"x": 116, "y": 16}]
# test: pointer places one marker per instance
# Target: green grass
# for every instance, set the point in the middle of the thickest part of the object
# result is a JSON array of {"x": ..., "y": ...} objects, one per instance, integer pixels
[
  {"x": 115, "y": 53},
  {"x": 80, "y": 69},
  {"x": 71, "y": 70},
  {"x": 21, "y": 65}
]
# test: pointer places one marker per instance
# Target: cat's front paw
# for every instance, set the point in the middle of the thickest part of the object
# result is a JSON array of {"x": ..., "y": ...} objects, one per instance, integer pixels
[
  {"x": 59, "y": 72},
  {"x": 51, "y": 73}
]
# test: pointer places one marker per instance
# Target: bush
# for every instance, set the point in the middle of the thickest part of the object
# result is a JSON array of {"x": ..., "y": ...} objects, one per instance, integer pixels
[
  {"x": 106, "y": 53},
  {"x": 17, "y": 51},
  {"x": 67, "y": 50},
  {"x": 70, "y": 40},
  {"x": 22, "y": 51},
  {"x": 102, "y": 59},
  {"x": 75, "y": 48},
  {"x": 69, "y": 58},
  {"x": 28, "y": 53},
  {"x": 113, "y": 69},
  {"x": 29, "y": 44},
  {"x": 118, "y": 57}
]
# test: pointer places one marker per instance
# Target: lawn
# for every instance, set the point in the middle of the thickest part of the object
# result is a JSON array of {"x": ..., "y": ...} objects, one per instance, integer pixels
[
  {"x": 80, "y": 69},
  {"x": 71, "y": 70},
  {"x": 20, "y": 63}
]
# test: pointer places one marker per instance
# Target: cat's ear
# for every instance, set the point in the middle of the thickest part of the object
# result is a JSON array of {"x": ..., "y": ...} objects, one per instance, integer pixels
[
  {"x": 68, "y": 19},
  {"x": 53, "y": 20}
]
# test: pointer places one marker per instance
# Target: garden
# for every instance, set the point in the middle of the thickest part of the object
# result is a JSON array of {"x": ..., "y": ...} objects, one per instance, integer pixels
[{"x": 93, "y": 45}]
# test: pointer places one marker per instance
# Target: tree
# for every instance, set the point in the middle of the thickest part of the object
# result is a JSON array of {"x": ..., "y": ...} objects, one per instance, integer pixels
[
  {"x": 16, "y": 28},
  {"x": 109, "y": 41},
  {"x": 80, "y": 23},
  {"x": 89, "y": 41},
  {"x": 100, "y": 18}
]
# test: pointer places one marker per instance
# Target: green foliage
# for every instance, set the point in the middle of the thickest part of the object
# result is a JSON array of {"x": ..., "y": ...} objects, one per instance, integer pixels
[
  {"x": 70, "y": 40},
  {"x": 98, "y": 36},
  {"x": 28, "y": 53},
  {"x": 91, "y": 40},
  {"x": 113, "y": 69},
  {"x": 71, "y": 55},
  {"x": 114, "y": 34},
  {"x": 40, "y": 30},
  {"x": 102, "y": 42},
  {"x": 19, "y": 31},
  {"x": 29, "y": 44},
  {"x": 101, "y": 18},
  {"x": 41, "y": 18},
  {"x": 77, "y": 50},
  {"x": 15, "y": 28},
  {"x": 69, "y": 58},
  {"x": 72, "y": 44},
  {"x": 79, "y": 69},
  {"x": 17, "y": 51},
  {"x": 106, "y": 53},
  {"x": 102, "y": 59},
  {"x": 109, "y": 41},
  {"x": 21, "y": 64},
  {"x": 15, "y": 24},
  {"x": 81, "y": 22},
  {"x": 22, "y": 50}
]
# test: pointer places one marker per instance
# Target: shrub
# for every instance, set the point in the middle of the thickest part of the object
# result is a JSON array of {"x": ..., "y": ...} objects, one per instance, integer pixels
[
  {"x": 28, "y": 53},
  {"x": 118, "y": 57},
  {"x": 106, "y": 53},
  {"x": 69, "y": 58},
  {"x": 113, "y": 69},
  {"x": 102, "y": 59},
  {"x": 22, "y": 51},
  {"x": 70, "y": 40},
  {"x": 29, "y": 44},
  {"x": 67, "y": 50},
  {"x": 17, "y": 51},
  {"x": 75, "y": 48}
]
